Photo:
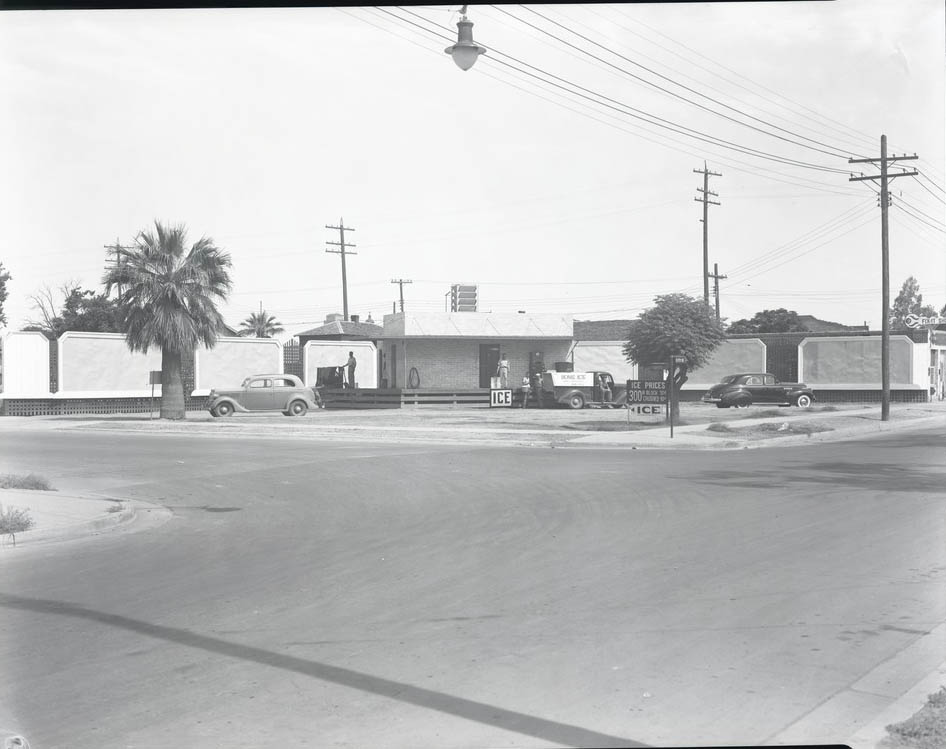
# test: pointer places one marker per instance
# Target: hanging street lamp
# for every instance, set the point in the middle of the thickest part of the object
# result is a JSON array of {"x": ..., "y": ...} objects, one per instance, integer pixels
[{"x": 465, "y": 51}]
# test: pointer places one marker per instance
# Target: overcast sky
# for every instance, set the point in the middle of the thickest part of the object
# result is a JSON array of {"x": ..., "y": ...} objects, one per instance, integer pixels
[{"x": 258, "y": 127}]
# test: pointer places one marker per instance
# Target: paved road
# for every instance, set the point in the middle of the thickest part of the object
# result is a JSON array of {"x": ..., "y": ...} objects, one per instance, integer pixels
[{"x": 331, "y": 594}]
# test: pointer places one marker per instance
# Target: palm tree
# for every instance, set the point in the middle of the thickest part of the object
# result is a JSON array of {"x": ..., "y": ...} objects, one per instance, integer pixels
[
  {"x": 168, "y": 299},
  {"x": 260, "y": 325}
]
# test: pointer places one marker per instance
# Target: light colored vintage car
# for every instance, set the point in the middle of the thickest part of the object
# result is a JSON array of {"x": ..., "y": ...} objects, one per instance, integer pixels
[{"x": 265, "y": 392}]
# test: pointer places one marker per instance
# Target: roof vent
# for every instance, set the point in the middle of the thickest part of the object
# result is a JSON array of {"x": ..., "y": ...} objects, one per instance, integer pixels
[{"x": 355, "y": 318}]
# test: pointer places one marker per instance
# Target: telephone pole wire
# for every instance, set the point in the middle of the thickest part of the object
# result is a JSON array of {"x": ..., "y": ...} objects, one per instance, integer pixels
[
  {"x": 716, "y": 278},
  {"x": 705, "y": 200},
  {"x": 343, "y": 251},
  {"x": 400, "y": 282},
  {"x": 884, "y": 178}
]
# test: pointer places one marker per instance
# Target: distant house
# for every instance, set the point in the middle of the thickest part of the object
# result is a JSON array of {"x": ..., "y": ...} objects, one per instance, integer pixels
[{"x": 337, "y": 328}]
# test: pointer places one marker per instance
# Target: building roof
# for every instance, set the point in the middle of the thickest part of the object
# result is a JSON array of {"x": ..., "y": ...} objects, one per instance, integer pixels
[
  {"x": 345, "y": 328},
  {"x": 602, "y": 330},
  {"x": 815, "y": 325},
  {"x": 484, "y": 325}
]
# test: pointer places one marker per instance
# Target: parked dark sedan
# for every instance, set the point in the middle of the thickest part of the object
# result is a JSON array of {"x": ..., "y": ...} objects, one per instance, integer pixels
[
  {"x": 273, "y": 392},
  {"x": 741, "y": 390}
]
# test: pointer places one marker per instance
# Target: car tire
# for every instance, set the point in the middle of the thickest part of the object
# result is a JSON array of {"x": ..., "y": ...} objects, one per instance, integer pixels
[
  {"x": 576, "y": 401},
  {"x": 223, "y": 409},
  {"x": 742, "y": 404},
  {"x": 803, "y": 401},
  {"x": 297, "y": 408}
]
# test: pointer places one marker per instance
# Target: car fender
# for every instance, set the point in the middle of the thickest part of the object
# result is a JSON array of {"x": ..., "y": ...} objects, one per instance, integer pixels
[
  {"x": 567, "y": 394},
  {"x": 226, "y": 399}
]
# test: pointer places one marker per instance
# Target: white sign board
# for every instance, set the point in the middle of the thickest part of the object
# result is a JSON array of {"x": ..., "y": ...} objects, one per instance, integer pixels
[
  {"x": 500, "y": 398},
  {"x": 648, "y": 412}
]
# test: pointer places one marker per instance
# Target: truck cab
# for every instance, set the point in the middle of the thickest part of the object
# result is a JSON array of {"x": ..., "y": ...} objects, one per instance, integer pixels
[{"x": 580, "y": 389}]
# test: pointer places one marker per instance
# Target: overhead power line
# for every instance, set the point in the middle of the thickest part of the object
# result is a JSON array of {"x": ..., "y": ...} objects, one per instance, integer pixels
[
  {"x": 611, "y": 103},
  {"x": 835, "y": 152}
]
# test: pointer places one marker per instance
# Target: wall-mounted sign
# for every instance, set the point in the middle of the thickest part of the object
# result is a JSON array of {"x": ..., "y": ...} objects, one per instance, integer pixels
[
  {"x": 500, "y": 398},
  {"x": 916, "y": 321}
]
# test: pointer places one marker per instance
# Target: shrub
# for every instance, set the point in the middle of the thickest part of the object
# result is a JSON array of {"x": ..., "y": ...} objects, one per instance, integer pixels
[
  {"x": 13, "y": 521},
  {"x": 30, "y": 481},
  {"x": 718, "y": 426}
]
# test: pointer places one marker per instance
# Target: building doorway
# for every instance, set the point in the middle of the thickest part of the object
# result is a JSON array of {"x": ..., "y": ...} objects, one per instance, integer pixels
[{"x": 489, "y": 360}]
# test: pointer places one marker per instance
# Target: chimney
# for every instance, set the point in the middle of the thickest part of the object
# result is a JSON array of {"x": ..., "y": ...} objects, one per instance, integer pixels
[
  {"x": 355, "y": 318},
  {"x": 333, "y": 317}
]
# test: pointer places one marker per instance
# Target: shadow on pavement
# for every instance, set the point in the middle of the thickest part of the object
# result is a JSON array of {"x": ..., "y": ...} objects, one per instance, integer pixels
[{"x": 508, "y": 720}]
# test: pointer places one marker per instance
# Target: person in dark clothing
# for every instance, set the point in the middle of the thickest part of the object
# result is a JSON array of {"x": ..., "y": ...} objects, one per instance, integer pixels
[{"x": 352, "y": 363}]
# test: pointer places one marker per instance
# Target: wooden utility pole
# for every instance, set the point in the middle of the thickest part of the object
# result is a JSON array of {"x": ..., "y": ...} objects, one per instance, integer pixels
[
  {"x": 116, "y": 250},
  {"x": 343, "y": 252},
  {"x": 705, "y": 200},
  {"x": 400, "y": 282},
  {"x": 884, "y": 178},
  {"x": 716, "y": 277}
]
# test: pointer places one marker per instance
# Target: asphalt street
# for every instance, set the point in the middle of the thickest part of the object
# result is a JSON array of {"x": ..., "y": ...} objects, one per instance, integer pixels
[{"x": 307, "y": 593}]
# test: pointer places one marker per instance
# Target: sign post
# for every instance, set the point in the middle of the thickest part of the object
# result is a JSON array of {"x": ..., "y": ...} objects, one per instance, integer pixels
[
  {"x": 154, "y": 377},
  {"x": 675, "y": 361}
]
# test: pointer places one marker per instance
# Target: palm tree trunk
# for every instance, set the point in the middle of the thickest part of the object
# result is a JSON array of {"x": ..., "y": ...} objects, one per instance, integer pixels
[{"x": 172, "y": 386}]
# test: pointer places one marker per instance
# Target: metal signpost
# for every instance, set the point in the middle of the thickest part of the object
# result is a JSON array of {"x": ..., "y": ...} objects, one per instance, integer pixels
[{"x": 675, "y": 361}]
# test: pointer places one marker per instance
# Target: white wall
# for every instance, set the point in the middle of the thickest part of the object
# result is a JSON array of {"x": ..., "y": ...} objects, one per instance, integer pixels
[
  {"x": 854, "y": 362},
  {"x": 96, "y": 365},
  {"x": 25, "y": 365},
  {"x": 232, "y": 360},
  {"x": 602, "y": 356},
  {"x": 732, "y": 356},
  {"x": 317, "y": 354}
]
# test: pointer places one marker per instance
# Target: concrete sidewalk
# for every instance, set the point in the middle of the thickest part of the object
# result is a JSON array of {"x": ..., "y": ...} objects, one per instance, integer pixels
[{"x": 60, "y": 517}]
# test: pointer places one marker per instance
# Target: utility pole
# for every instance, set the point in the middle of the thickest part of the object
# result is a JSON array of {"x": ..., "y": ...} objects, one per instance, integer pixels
[
  {"x": 116, "y": 249},
  {"x": 400, "y": 282},
  {"x": 705, "y": 200},
  {"x": 343, "y": 252},
  {"x": 884, "y": 178},
  {"x": 716, "y": 277}
]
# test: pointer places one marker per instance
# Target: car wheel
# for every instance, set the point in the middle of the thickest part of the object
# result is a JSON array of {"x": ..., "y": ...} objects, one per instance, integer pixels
[
  {"x": 803, "y": 401},
  {"x": 576, "y": 401},
  {"x": 742, "y": 404},
  {"x": 224, "y": 409},
  {"x": 297, "y": 408}
]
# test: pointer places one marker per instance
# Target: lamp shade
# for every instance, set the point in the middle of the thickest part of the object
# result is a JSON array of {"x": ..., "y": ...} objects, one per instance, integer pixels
[{"x": 465, "y": 51}]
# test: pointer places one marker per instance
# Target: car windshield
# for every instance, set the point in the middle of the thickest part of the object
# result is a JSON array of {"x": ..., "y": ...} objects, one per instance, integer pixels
[
  {"x": 245, "y": 382},
  {"x": 731, "y": 380}
]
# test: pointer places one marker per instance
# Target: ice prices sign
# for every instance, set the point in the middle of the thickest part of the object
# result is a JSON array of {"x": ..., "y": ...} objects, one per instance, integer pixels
[{"x": 646, "y": 392}]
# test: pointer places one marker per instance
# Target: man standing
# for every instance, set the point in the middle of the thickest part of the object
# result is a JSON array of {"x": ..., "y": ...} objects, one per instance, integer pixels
[
  {"x": 352, "y": 363},
  {"x": 502, "y": 371}
]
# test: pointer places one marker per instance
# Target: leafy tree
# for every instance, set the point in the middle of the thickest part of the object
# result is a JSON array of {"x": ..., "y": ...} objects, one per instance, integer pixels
[
  {"x": 4, "y": 277},
  {"x": 168, "y": 299},
  {"x": 677, "y": 325},
  {"x": 81, "y": 309},
  {"x": 88, "y": 311},
  {"x": 770, "y": 321},
  {"x": 260, "y": 325},
  {"x": 909, "y": 302}
]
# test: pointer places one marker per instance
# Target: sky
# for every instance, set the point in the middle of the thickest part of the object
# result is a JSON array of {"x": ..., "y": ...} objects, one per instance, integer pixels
[{"x": 559, "y": 174}]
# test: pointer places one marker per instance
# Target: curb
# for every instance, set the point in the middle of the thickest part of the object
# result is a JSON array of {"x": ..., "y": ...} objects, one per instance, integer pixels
[
  {"x": 886, "y": 694},
  {"x": 104, "y": 521}
]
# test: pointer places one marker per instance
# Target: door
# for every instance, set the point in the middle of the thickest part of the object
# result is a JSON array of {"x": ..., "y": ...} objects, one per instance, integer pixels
[
  {"x": 489, "y": 360},
  {"x": 258, "y": 395}
]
